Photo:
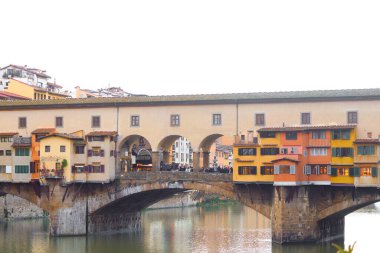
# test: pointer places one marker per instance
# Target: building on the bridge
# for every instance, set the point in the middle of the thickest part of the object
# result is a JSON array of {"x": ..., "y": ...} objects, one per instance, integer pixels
[
  {"x": 304, "y": 155},
  {"x": 366, "y": 158},
  {"x": 342, "y": 156},
  {"x": 101, "y": 156},
  {"x": 35, "y": 164},
  {"x": 6, "y": 159},
  {"x": 21, "y": 159}
]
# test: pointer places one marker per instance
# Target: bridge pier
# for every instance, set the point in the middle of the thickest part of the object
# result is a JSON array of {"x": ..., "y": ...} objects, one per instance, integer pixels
[
  {"x": 295, "y": 217},
  {"x": 69, "y": 221},
  {"x": 114, "y": 223}
]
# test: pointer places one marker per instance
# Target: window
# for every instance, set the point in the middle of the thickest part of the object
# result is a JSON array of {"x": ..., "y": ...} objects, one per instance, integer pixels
[
  {"x": 135, "y": 121},
  {"x": 97, "y": 138},
  {"x": 266, "y": 170},
  {"x": 62, "y": 149},
  {"x": 22, "y": 151},
  {"x": 1, "y": 152},
  {"x": 269, "y": 151},
  {"x": 291, "y": 135},
  {"x": 6, "y": 139},
  {"x": 96, "y": 168},
  {"x": 318, "y": 135},
  {"x": 342, "y": 152},
  {"x": 305, "y": 118},
  {"x": 352, "y": 117},
  {"x": 341, "y": 134},
  {"x": 318, "y": 151},
  {"x": 247, "y": 151},
  {"x": 259, "y": 119},
  {"x": 79, "y": 149},
  {"x": 267, "y": 135},
  {"x": 47, "y": 149},
  {"x": 95, "y": 122},
  {"x": 247, "y": 170},
  {"x": 58, "y": 121},
  {"x": 8, "y": 152},
  {"x": 22, "y": 122},
  {"x": 3, "y": 169},
  {"x": 22, "y": 169},
  {"x": 174, "y": 120},
  {"x": 366, "y": 150},
  {"x": 217, "y": 119}
]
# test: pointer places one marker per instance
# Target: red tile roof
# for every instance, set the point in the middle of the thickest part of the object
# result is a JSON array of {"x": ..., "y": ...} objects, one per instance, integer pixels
[
  {"x": 102, "y": 133},
  {"x": 367, "y": 141},
  {"x": 285, "y": 158},
  {"x": 8, "y": 134},
  {"x": 62, "y": 135},
  {"x": 43, "y": 131},
  {"x": 305, "y": 128}
]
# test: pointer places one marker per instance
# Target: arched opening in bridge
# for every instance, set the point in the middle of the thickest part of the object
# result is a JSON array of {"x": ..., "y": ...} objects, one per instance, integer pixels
[
  {"x": 175, "y": 152},
  {"x": 135, "y": 154},
  {"x": 216, "y": 153}
]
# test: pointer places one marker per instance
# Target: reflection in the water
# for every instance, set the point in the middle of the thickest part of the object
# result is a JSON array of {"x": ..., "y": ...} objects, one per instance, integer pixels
[{"x": 225, "y": 228}]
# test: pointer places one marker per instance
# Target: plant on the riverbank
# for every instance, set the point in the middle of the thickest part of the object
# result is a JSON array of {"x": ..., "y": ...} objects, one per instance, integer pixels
[{"x": 341, "y": 250}]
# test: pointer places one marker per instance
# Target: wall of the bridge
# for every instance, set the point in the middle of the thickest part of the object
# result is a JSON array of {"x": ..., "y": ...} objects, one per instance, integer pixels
[{"x": 300, "y": 213}]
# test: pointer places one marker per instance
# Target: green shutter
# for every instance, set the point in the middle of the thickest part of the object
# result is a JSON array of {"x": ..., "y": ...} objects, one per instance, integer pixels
[
  {"x": 333, "y": 152},
  {"x": 374, "y": 171},
  {"x": 351, "y": 172},
  {"x": 334, "y": 172},
  {"x": 262, "y": 170},
  {"x": 356, "y": 171}
]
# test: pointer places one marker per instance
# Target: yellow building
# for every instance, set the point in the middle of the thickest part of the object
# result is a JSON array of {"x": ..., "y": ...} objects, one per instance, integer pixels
[
  {"x": 57, "y": 153},
  {"x": 49, "y": 91},
  {"x": 342, "y": 155},
  {"x": 366, "y": 158}
]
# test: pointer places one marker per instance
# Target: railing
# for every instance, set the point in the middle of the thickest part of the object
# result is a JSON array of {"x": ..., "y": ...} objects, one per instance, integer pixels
[
  {"x": 176, "y": 176},
  {"x": 319, "y": 143},
  {"x": 23, "y": 141}
]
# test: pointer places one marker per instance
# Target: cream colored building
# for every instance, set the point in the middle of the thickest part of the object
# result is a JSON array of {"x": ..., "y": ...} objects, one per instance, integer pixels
[
  {"x": 6, "y": 158},
  {"x": 199, "y": 118}
]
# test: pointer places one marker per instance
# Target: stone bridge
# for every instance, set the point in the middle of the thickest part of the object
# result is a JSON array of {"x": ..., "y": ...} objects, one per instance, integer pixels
[{"x": 298, "y": 214}]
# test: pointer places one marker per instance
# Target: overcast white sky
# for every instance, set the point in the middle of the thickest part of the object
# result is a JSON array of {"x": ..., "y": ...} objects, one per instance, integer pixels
[{"x": 196, "y": 46}]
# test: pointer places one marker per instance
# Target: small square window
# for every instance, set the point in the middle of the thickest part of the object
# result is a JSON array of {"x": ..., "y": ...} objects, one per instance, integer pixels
[
  {"x": 135, "y": 120},
  {"x": 217, "y": 119},
  {"x": 259, "y": 119},
  {"x": 291, "y": 135},
  {"x": 58, "y": 121},
  {"x": 22, "y": 122},
  {"x": 174, "y": 120},
  {"x": 8, "y": 152},
  {"x": 352, "y": 117},
  {"x": 305, "y": 118},
  {"x": 62, "y": 148},
  {"x": 95, "y": 122},
  {"x": 1, "y": 152},
  {"x": 47, "y": 149}
]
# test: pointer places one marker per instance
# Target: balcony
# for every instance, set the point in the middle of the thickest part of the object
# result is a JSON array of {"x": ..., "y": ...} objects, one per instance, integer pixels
[
  {"x": 319, "y": 143},
  {"x": 22, "y": 142},
  {"x": 366, "y": 159}
]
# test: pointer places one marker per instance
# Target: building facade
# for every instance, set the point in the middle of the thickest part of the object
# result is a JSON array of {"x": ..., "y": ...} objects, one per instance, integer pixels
[{"x": 279, "y": 125}]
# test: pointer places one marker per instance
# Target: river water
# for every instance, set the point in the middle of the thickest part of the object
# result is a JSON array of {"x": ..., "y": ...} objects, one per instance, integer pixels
[{"x": 222, "y": 228}]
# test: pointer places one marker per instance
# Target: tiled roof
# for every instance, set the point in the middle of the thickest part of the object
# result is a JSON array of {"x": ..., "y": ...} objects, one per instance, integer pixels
[
  {"x": 44, "y": 131},
  {"x": 62, "y": 135},
  {"x": 285, "y": 158},
  {"x": 102, "y": 133},
  {"x": 8, "y": 134},
  {"x": 258, "y": 97},
  {"x": 305, "y": 128},
  {"x": 367, "y": 141},
  {"x": 9, "y": 95}
]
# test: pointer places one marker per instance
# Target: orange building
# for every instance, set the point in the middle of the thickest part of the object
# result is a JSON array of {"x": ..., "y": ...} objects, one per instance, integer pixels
[{"x": 36, "y": 136}]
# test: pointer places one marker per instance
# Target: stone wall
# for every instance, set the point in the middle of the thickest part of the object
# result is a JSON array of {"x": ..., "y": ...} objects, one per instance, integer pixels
[
  {"x": 182, "y": 199},
  {"x": 13, "y": 207}
]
